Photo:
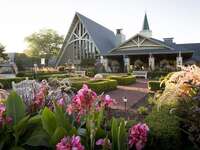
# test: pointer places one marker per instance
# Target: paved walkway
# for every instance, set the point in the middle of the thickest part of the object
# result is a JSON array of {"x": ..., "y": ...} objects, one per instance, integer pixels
[{"x": 134, "y": 93}]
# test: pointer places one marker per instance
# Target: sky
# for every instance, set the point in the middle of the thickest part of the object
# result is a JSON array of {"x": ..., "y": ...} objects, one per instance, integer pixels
[{"x": 167, "y": 18}]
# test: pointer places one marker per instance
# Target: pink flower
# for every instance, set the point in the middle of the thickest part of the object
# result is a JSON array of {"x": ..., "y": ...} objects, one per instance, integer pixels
[
  {"x": 68, "y": 143},
  {"x": 108, "y": 101},
  {"x": 100, "y": 142},
  {"x": 69, "y": 109},
  {"x": 138, "y": 135},
  {"x": 104, "y": 142},
  {"x": 82, "y": 102},
  {"x": 61, "y": 102}
]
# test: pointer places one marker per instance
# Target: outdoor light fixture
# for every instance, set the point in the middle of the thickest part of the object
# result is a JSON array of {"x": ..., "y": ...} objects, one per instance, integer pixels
[{"x": 125, "y": 101}]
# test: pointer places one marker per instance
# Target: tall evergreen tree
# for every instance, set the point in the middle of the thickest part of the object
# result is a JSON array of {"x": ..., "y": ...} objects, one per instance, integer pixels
[{"x": 3, "y": 55}]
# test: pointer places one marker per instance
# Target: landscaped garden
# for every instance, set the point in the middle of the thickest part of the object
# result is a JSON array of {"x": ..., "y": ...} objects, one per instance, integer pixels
[{"x": 67, "y": 112}]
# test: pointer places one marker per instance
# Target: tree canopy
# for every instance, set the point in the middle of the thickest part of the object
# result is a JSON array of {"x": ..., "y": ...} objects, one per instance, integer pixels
[
  {"x": 3, "y": 56},
  {"x": 46, "y": 42}
]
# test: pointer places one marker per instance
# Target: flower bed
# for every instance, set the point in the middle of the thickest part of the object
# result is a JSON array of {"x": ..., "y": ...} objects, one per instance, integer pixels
[
  {"x": 82, "y": 123},
  {"x": 123, "y": 80},
  {"x": 98, "y": 86}
]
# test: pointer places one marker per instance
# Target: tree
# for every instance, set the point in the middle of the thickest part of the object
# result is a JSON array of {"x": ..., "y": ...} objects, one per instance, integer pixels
[
  {"x": 3, "y": 56},
  {"x": 46, "y": 42}
]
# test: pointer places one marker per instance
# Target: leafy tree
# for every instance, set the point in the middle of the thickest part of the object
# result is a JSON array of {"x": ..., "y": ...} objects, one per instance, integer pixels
[
  {"x": 3, "y": 56},
  {"x": 46, "y": 42}
]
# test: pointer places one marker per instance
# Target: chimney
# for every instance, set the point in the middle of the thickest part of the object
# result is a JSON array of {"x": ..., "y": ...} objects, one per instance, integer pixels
[
  {"x": 168, "y": 40},
  {"x": 120, "y": 38}
]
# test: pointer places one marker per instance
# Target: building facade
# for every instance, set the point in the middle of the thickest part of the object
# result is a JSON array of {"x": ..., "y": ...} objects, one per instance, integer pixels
[{"x": 87, "y": 39}]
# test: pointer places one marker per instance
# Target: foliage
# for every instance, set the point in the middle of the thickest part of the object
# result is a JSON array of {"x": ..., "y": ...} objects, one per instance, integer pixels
[
  {"x": 3, "y": 55},
  {"x": 165, "y": 132},
  {"x": 154, "y": 85},
  {"x": 90, "y": 72},
  {"x": 154, "y": 75},
  {"x": 98, "y": 86},
  {"x": 30, "y": 61},
  {"x": 123, "y": 80},
  {"x": 88, "y": 62},
  {"x": 82, "y": 122},
  {"x": 46, "y": 42},
  {"x": 142, "y": 110},
  {"x": 7, "y": 83}
]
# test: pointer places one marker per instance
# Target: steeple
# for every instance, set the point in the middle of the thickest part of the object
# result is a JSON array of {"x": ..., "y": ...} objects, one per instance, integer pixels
[
  {"x": 145, "y": 28},
  {"x": 145, "y": 23}
]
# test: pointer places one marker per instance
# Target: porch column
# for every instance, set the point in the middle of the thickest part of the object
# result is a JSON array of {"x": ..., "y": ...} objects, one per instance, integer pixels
[
  {"x": 179, "y": 60},
  {"x": 151, "y": 62},
  {"x": 126, "y": 63},
  {"x": 104, "y": 61}
]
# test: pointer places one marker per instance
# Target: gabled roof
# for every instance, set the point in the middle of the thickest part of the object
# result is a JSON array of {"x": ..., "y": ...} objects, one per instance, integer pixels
[
  {"x": 104, "y": 38},
  {"x": 161, "y": 43}
]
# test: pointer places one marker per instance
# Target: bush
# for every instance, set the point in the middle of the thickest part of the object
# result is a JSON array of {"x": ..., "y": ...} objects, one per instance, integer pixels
[
  {"x": 164, "y": 130},
  {"x": 7, "y": 83},
  {"x": 99, "y": 86},
  {"x": 90, "y": 72},
  {"x": 142, "y": 110},
  {"x": 154, "y": 85},
  {"x": 156, "y": 74},
  {"x": 123, "y": 80}
]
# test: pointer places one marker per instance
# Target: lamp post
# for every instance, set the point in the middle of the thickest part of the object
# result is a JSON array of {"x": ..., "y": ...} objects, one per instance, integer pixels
[{"x": 125, "y": 100}]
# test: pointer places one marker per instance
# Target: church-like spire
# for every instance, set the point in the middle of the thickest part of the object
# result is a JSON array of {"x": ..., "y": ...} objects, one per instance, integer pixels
[
  {"x": 145, "y": 23},
  {"x": 145, "y": 28}
]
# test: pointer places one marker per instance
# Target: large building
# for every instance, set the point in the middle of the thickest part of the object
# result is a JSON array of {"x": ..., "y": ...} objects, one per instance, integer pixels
[{"x": 87, "y": 39}]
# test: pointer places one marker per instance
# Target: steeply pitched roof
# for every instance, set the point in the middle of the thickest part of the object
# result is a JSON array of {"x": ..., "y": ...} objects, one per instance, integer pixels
[
  {"x": 104, "y": 38},
  {"x": 145, "y": 23}
]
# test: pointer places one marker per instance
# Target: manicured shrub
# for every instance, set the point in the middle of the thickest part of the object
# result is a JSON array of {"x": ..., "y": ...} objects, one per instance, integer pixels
[
  {"x": 156, "y": 74},
  {"x": 164, "y": 130},
  {"x": 124, "y": 80},
  {"x": 98, "y": 86},
  {"x": 90, "y": 72},
  {"x": 154, "y": 85},
  {"x": 7, "y": 83}
]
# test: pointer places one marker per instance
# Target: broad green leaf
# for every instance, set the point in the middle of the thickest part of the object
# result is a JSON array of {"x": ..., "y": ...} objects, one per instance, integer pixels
[
  {"x": 82, "y": 131},
  {"x": 114, "y": 133},
  {"x": 48, "y": 121},
  {"x": 121, "y": 136},
  {"x": 38, "y": 138},
  {"x": 15, "y": 107},
  {"x": 35, "y": 120},
  {"x": 20, "y": 128},
  {"x": 58, "y": 135},
  {"x": 61, "y": 118},
  {"x": 72, "y": 132}
]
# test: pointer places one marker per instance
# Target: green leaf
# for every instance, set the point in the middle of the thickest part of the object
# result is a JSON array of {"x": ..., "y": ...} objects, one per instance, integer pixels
[
  {"x": 48, "y": 121},
  {"x": 15, "y": 107},
  {"x": 20, "y": 128},
  {"x": 121, "y": 136},
  {"x": 35, "y": 120},
  {"x": 17, "y": 148},
  {"x": 38, "y": 138},
  {"x": 114, "y": 133},
  {"x": 61, "y": 118},
  {"x": 58, "y": 135}
]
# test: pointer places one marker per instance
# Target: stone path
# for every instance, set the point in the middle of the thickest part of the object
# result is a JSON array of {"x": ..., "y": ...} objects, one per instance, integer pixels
[{"x": 134, "y": 93}]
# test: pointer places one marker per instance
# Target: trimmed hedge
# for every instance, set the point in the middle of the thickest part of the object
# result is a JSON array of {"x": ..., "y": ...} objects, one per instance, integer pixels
[
  {"x": 31, "y": 74},
  {"x": 7, "y": 83},
  {"x": 154, "y": 85},
  {"x": 164, "y": 132},
  {"x": 99, "y": 86},
  {"x": 123, "y": 80},
  {"x": 156, "y": 74}
]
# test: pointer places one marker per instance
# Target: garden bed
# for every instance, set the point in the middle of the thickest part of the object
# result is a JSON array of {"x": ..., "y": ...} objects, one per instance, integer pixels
[{"x": 123, "y": 80}]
